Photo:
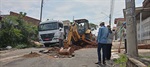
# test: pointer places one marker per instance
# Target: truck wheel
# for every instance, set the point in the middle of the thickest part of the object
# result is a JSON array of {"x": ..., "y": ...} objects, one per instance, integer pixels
[
  {"x": 61, "y": 43},
  {"x": 46, "y": 45}
]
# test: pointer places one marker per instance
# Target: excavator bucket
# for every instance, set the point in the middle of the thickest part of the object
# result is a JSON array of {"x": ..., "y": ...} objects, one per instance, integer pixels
[{"x": 65, "y": 51}]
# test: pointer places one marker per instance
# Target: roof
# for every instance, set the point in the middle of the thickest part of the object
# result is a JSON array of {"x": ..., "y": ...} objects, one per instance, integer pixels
[
  {"x": 145, "y": 10},
  {"x": 146, "y": 3},
  {"x": 81, "y": 21},
  {"x": 14, "y": 13},
  {"x": 118, "y": 19}
]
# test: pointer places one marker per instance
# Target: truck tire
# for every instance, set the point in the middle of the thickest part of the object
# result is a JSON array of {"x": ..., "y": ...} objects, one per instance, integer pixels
[{"x": 46, "y": 45}]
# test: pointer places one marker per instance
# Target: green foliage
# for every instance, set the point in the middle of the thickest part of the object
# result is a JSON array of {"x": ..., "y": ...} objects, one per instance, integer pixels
[
  {"x": 94, "y": 26},
  {"x": 21, "y": 46},
  {"x": 121, "y": 61},
  {"x": 15, "y": 31}
]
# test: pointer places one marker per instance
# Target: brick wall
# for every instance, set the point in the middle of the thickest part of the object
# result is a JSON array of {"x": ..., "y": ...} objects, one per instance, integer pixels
[{"x": 30, "y": 20}]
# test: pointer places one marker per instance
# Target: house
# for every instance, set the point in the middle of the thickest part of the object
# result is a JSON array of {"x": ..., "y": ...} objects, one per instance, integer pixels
[
  {"x": 30, "y": 20},
  {"x": 142, "y": 22}
]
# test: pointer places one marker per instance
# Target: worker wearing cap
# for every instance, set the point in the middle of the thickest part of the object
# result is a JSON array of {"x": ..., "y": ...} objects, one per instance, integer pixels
[{"x": 102, "y": 42}]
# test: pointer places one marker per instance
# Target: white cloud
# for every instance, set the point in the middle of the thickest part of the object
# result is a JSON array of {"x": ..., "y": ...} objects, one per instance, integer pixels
[
  {"x": 66, "y": 9},
  {"x": 30, "y": 7}
]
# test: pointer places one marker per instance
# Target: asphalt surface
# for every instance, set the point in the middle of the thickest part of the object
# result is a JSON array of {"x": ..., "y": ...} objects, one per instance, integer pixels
[{"x": 83, "y": 58}]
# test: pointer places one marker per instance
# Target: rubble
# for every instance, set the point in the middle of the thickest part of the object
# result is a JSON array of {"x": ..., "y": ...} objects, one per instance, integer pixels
[
  {"x": 91, "y": 46},
  {"x": 53, "y": 52},
  {"x": 31, "y": 55}
]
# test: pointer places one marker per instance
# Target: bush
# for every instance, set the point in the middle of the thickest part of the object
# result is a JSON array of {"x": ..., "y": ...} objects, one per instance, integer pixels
[
  {"x": 16, "y": 31},
  {"x": 21, "y": 46},
  {"x": 121, "y": 61}
]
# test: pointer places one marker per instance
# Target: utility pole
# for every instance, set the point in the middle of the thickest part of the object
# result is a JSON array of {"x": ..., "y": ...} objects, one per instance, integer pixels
[
  {"x": 132, "y": 49},
  {"x": 41, "y": 10},
  {"x": 0, "y": 13},
  {"x": 73, "y": 19},
  {"x": 111, "y": 11}
]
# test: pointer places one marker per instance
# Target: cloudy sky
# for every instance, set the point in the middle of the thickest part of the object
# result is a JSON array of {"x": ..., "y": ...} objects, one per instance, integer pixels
[{"x": 95, "y": 11}]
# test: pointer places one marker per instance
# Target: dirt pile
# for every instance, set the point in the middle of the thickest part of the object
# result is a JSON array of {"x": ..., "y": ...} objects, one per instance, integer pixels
[
  {"x": 31, "y": 55},
  {"x": 75, "y": 47},
  {"x": 53, "y": 52},
  {"x": 90, "y": 46}
]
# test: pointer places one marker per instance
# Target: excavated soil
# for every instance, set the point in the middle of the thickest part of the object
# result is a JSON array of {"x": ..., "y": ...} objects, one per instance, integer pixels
[
  {"x": 31, "y": 55},
  {"x": 53, "y": 52}
]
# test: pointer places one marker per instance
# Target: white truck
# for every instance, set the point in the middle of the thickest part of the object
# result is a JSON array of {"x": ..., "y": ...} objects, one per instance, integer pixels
[{"x": 51, "y": 32}]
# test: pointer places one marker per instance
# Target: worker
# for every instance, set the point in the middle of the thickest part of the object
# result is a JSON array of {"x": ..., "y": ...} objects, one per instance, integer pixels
[
  {"x": 109, "y": 43},
  {"x": 102, "y": 42},
  {"x": 61, "y": 38}
]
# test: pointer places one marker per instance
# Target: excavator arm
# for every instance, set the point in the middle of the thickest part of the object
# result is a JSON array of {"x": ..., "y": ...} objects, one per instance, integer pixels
[
  {"x": 73, "y": 34},
  {"x": 76, "y": 37}
]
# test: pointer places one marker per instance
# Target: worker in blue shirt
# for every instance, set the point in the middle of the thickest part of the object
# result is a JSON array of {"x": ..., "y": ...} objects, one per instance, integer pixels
[{"x": 102, "y": 42}]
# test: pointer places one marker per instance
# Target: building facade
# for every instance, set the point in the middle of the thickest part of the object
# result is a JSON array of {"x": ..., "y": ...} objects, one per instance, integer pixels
[
  {"x": 143, "y": 23},
  {"x": 29, "y": 20},
  {"x": 142, "y": 15}
]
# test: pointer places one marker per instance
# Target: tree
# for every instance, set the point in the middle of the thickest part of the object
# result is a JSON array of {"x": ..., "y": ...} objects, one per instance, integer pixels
[
  {"x": 16, "y": 31},
  {"x": 93, "y": 26},
  {"x": 9, "y": 35}
]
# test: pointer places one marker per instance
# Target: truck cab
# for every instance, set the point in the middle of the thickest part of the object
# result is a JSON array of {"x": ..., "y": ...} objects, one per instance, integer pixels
[{"x": 51, "y": 32}]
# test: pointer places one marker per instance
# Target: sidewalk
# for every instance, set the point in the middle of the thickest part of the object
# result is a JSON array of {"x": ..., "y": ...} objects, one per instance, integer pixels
[{"x": 144, "y": 54}]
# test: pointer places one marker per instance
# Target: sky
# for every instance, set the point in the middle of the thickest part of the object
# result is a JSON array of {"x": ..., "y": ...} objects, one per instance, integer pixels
[{"x": 95, "y": 11}]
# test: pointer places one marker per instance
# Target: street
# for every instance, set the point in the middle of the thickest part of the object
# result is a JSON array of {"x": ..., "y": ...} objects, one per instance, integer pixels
[{"x": 83, "y": 58}]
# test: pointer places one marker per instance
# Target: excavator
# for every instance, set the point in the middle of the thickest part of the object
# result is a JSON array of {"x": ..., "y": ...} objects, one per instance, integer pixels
[{"x": 79, "y": 34}]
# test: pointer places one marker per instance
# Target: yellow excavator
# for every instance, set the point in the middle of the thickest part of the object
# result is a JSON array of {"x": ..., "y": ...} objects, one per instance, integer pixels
[{"x": 79, "y": 34}]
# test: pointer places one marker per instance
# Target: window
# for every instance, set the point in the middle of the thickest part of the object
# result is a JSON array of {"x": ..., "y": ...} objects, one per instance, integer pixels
[
  {"x": 48, "y": 26},
  {"x": 60, "y": 25}
]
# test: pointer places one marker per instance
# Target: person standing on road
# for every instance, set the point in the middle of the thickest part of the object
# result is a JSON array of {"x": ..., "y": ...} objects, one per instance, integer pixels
[
  {"x": 61, "y": 38},
  {"x": 109, "y": 43},
  {"x": 102, "y": 42}
]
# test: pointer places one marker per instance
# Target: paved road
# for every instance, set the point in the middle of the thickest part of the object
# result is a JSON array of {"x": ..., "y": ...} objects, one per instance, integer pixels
[
  {"x": 83, "y": 58},
  {"x": 8, "y": 53}
]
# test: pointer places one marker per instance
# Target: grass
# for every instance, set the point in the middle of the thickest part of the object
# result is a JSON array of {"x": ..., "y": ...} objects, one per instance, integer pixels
[
  {"x": 121, "y": 61},
  {"x": 21, "y": 46},
  {"x": 145, "y": 59}
]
